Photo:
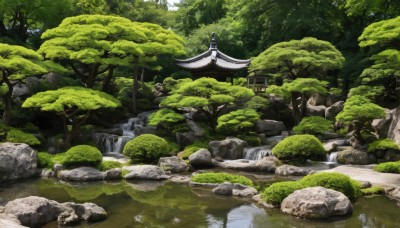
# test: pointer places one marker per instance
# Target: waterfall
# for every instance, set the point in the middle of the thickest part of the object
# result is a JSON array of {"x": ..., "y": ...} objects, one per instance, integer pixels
[
  {"x": 331, "y": 158},
  {"x": 256, "y": 153}
]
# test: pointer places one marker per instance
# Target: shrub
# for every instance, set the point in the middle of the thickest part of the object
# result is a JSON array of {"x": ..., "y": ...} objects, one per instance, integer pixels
[
  {"x": 106, "y": 165},
  {"x": 277, "y": 192},
  {"x": 383, "y": 144},
  {"x": 372, "y": 190},
  {"x": 45, "y": 160},
  {"x": 299, "y": 148},
  {"x": 237, "y": 121},
  {"x": 17, "y": 136},
  {"x": 314, "y": 125},
  {"x": 166, "y": 118},
  {"x": 335, "y": 181},
  {"x": 216, "y": 178},
  {"x": 252, "y": 140},
  {"x": 146, "y": 148},
  {"x": 388, "y": 167},
  {"x": 82, "y": 155},
  {"x": 197, "y": 145}
]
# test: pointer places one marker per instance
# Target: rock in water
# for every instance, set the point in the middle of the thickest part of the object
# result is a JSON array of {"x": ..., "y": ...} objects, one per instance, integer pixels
[
  {"x": 316, "y": 203},
  {"x": 286, "y": 170},
  {"x": 173, "y": 164},
  {"x": 81, "y": 174},
  {"x": 225, "y": 188},
  {"x": 10, "y": 221},
  {"x": 145, "y": 172},
  {"x": 17, "y": 161},
  {"x": 230, "y": 148},
  {"x": 201, "y": 158}
]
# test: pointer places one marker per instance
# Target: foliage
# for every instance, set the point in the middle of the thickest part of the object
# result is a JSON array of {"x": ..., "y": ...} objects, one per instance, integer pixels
[
  {"x": 82, "y": 155},
  {"x": 237, "y": 121},
  {"x": 299, "y": 148},
  {"x": 375, "y": 190},
  {"x": 45, "y": 160},
  {"x": 313, "y": 125},
  {"x": 165, "y": 117},
  {"x": 189, "y": 150},
  {"x": 335, "y": 181},
  {"x": 277, "y": 192},
  {"x": 360, "y": 111},
  {"x": 380, "y": 33},
  {"x": 18, "y": 136},
  {"x": 257, "y": 103},
  {"x": 370, "y": 92},
  {"x": 106, "y": 165},
  {"x": 252, "y": 140},
  {"x": 170, "y": 84},
  {"x": 146, "y": 148},
  {"x": 388, "y": 167},
  {"x": 216, "y": 178},
  {"x": 383, "y": 144}
]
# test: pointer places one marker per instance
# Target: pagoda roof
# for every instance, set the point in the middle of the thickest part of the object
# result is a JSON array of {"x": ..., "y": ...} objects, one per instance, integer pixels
[{"x": 213, "y": 61}]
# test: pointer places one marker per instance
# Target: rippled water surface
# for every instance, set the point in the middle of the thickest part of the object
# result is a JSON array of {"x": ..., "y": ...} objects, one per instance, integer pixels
[{"x": 156, "y": 204}]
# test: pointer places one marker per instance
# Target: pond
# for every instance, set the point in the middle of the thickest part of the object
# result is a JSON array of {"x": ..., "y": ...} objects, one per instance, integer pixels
[{"x": 166, "y": 204}]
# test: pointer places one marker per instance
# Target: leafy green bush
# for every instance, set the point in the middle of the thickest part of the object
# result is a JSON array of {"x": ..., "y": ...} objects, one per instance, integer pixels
[
  {"x": 237, "y": 121},
  {"x": 146, "y": 148},
  {"x": 82, "y": 155},
  {"x": 335, "y": 181},
  {"x": 314, "y": 125},
  {"x": 18, "y": 136},
  {"x": 165, "y": 117},
  {"x": 388, "y": 167},
  {"x": 217, "y": 178},
  {"x": 45, "y": 160},
  {"x": 197, "y": 145},
  {"x": 106, "y": 165},
  {"x": 277, "y": 192},
  {"x": 382, "y": 144},
  {"x": 299, "y": 148},
  {"x": 252, "y": 140},
  {"x": 372, "y": 190}
]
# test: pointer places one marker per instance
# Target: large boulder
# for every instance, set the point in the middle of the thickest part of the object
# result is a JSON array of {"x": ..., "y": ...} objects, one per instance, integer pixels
[
  {"x": 230, "y": 148},
  {"x": 332, "y": 111},
  {"x": 201, "y": 158},
  {"x": 353, "y": 156},
  {"x": 10, "y": 221},
  {"x": 290, "y": 170},
  {"x": 17, "y": 161},
  {"x": 87, "y": 211},
  {"x": 195, "y": 128},
  {"x": 266, "y": 164},
  {"x": 81, "y": 174},
  {"x": 318, "y": 110},
  {"x": 145, "y": 172},
  {"x": 173, "y": 164},
  {"x": 270, "y": 127},
  {"x": 225, "y": 188},
  {"x": 316, "y": 203},
  {"x": 394, "y": 194},
  {"x": 394, "y": 127},
  {"x": 185, "y": 138}
]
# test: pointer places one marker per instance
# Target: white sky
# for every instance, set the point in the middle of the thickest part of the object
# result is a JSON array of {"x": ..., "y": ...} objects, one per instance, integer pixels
[{"x": 171, "y": 2}]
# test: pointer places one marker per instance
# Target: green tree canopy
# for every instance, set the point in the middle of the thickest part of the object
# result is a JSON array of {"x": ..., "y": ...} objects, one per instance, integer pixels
[
  {"x": 16, "y": 63},
  {"x": 165, "y": 117},
  {"x": 73, "y": 104},
  {"x": 360, "y": 112},
  {"x": 237, "y": 121},
  {"x": 208, "y": 96}
]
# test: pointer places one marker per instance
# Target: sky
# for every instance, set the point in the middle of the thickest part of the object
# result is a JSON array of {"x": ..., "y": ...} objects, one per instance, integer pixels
[{"x": 171, "y": 2}]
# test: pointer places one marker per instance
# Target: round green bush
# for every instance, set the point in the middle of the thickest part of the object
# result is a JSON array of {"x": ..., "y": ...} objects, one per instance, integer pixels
[
  {"x": 106, "y": 165},
  {"x": 216, "y": 178},
  {"x": 335, "y": 181},
  {"x": 388, "y": 167},
  {"x": 277, "y": 192},
  {"x": 382, "y": 144},
  {"x": 45, "y": 160},
  {"x": 299, "y": 148},
  {"x": 17, "y": 136},
  {"x": 82, "y": 155},
  {"x": 314, "y": 125},
  {"x": 146, "y": 148}
]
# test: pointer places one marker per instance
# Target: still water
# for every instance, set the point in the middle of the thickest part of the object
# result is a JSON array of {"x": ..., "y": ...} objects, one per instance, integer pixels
[{"x": 157, "y": 204}]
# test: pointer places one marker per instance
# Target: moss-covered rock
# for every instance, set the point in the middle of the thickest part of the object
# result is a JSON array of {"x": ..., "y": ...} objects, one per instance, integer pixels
[
  {"x": 106, "y": 165},
  {"x": 277, "y": 192},
  {"x": 388, "y": 167},
  {"x": 18, "y": 136},
  {"x": 45, "y": 160},
  {"x": 146, "y": 148},
  {"x": 217, "y": 178},
  {"x": 313, "y": 125}
]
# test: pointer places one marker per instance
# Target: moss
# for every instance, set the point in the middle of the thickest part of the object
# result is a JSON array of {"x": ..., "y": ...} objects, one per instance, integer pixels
[
  {"x": 299, "y": 148},
  {"x": 45, "y": 160},
  {"x": 217, "y": 178},
  {"x": 172, "y": 145},
  {"x": 252, "y": 140},
  {"x": 106, "y": 165},
  {"x": 382, "y": 144},
  {"x": 82, "y": 155},
  {"x": 314, "y": 125},
  {"x": 388, "y": 167},
  {"x": 146, "y": 148},
  {"x": 277, "y": 192},
  {"x": 197, "y": 145},
  {"x": 124, "y": 172},
  {"x": 375, "y": 190},
  {"x": 18, "y": 136}
]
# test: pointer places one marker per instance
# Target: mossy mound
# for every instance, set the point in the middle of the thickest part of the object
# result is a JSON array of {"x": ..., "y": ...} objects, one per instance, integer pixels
[
  {"x": 217, "y": 178},
  {"x": 146, "y": 148},
  {"x": 81, "y": 155}
]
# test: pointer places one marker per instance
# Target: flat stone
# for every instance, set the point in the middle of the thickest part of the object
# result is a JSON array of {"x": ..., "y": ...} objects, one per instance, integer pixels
[
  {"x": 290, "y": 170},
  {"x": 145, "y": 172},
  {"x": 81, "y": 174}
]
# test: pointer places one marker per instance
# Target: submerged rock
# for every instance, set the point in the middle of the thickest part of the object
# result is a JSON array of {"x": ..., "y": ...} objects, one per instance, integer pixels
[
  {"x": 230, "y": 148},
  {"x": 17, "y": 161},
  {"x": 201, "y": 158},
  {"x": 316, "y": 203},
  {"x": 290, "y": 170},
  {"x": 145, "y": 172},
  {"x": 173, "y": 164}
]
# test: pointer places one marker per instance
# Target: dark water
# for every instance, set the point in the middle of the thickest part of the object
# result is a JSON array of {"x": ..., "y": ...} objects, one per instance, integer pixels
[{"x": 156, "y": 204}]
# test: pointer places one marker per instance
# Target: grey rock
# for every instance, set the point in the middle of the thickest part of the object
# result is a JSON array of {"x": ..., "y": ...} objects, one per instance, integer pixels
[
  {"x": 68, "y": 218},
  {"x": 381, "y": 126},
  {"x": 140, "y": 130},
  {"x": 17, "y": 161},
  {"x": 392, "y": 155},
  {"x": 225, "y": 188},
  {"x": 394, "y": 194},
  {"x": 81, "y": 174},
  {"x": 316, "y": 110},
  {"x": 113, "y": 174},
  {"x": 173, "y": 164},
  {"x": 93, "y": 213},
  {"x": 266, "y": 164},
  {"x": 353, "y": 157},
  {"x": 185, "y": 138},
  {"x": 270, "y": 127},
  {"x": 46, "y": 173},
  {"x": 332, "y": 111},
  {"x": 245, "y": 191},
  {"x": 230, "y": 148},
  {"x": 145, "y": 172},
  {"x": 180, "y": 179},
  {"x": 193, "y": 126},
  {"x": 201, "y": 158},
  {"x": 290, "y": 170},
  {"x": 10, "y": 221},
  {"x": 333, "y": 145},
  {"x": 316, "y": 203},
  {"x": 259, "y": 200}
]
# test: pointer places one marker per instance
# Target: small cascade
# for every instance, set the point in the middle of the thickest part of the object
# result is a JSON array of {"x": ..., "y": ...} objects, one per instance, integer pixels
[
  {"x": 256, "y": 153},
  {"x": 331, "y": 158}
]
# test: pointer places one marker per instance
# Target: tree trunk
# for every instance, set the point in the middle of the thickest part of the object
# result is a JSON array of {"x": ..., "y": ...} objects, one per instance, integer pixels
[
  {"x": 303, "y": 106},
  {"x": 296, "y": 111},
  {"x": 92, "y": 76},
  {"x": 357, "y": 132},
  {"x": 135, "y": 87},
  {"x": 76, "y": 126},
  {"x": 142, "y": 75},
  {"x": 7, "y": 102},
  {"x": 107, "y": 80}
]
